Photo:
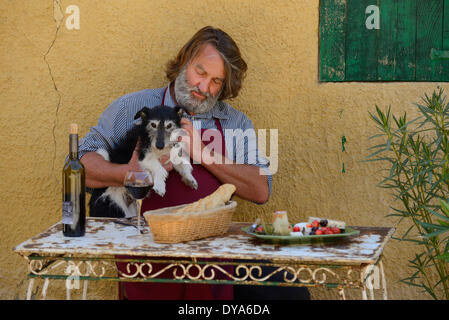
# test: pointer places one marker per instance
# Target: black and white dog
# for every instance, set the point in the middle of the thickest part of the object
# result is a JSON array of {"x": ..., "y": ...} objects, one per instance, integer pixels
[{"x": 158, "y": 131}]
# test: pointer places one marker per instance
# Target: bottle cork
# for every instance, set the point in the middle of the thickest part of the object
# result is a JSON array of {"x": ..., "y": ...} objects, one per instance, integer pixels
[{"x": 73, "y": 128}]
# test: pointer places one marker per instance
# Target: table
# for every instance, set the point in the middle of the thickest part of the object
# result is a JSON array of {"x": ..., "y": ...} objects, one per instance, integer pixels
[{"x": 353, "y": 262}]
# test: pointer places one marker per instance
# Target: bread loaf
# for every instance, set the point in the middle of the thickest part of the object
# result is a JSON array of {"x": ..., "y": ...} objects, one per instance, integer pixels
[{"x": 214, "y": 200}]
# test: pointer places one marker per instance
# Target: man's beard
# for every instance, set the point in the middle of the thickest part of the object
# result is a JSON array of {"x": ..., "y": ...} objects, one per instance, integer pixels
[{"x": 184, "y": 97}]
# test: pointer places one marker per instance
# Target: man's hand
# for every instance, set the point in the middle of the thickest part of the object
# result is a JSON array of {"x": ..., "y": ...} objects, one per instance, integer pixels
[
  {"x": 101, "y": 173},
  {"x": 247, "y": 179},
  {"x": 194, "y": 140},
  {"x": 133, "y": 164}
]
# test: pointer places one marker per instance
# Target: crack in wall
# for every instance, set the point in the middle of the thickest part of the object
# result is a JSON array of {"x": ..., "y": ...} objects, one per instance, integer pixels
[{"x": 57, "y": 17}]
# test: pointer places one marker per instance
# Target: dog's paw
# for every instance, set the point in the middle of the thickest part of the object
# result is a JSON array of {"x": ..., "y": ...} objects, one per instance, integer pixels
[
  {"x": 159, "y": 188},
  {"x": 191, "y": 182}
]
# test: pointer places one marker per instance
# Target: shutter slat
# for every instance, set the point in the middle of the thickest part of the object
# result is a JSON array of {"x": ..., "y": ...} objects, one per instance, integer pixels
[
  {"x": 388, "y": 44},
  {"x": 429, "y": 24},
  {"x": 332, "y": 39},
  {"x": 361, "y": 51},
  {"x": 406, "y": 40},
  {"x": 445, "y": 63}
]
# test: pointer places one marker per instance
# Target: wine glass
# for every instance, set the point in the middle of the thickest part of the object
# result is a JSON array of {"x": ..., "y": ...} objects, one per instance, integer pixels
[{"x": 138, "y": 184}]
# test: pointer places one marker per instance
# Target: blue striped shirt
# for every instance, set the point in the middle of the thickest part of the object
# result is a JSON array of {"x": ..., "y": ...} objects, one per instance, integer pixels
[{"x": 118, "y": 118}]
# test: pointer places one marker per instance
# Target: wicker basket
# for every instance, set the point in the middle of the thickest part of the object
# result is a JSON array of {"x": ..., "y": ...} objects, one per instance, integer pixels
[{"x": 168, "y": 227}]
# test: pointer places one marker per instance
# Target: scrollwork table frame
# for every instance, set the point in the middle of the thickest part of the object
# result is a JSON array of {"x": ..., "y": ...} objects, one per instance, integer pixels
[{"x": 354, "y": 262}]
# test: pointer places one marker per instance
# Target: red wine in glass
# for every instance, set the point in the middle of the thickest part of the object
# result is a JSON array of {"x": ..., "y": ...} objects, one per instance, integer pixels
[
  {"x": 138, "y": 191},
  {"x": 138, "y": 184}
]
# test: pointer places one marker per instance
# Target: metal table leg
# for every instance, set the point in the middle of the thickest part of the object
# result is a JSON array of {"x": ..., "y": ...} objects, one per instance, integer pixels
[
  {"x": 30, "y": 288},
  {"x": 85, "y": 290},
  {"x": 384, "y": 281},
  {"x": 373, "y": 277},
  {"x": 44, "y": 289},
  {"x": 341, "y": 293}
]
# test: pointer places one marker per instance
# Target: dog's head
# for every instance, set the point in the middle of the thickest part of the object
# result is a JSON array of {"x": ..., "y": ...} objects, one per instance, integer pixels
[{"x": 160, "y": 122}]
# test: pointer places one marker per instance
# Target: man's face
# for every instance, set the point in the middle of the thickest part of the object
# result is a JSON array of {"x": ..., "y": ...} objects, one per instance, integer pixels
[{"x": 199, "y": 83}]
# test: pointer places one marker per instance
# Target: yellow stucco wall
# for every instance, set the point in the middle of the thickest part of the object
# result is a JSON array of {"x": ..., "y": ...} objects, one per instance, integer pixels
[{"x": 51, "y": 77}]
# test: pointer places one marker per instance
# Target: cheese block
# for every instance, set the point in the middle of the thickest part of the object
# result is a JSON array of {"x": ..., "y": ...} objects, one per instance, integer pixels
[
  {"x": 281, "y": 226},
  {"x": 330, "y": 223}
]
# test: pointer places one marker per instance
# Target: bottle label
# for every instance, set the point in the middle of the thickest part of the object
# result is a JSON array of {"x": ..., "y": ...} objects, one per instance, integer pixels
[{"x": 67, "y": 212}]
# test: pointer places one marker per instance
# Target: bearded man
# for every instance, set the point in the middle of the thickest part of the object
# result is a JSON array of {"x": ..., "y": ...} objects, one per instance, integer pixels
[{"x": 207, "y": 70}]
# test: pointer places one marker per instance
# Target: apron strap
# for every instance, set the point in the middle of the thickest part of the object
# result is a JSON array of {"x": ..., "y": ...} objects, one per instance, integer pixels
[
  {"x": 163, "y": 96},
  {"x": 223, "y": 141}
]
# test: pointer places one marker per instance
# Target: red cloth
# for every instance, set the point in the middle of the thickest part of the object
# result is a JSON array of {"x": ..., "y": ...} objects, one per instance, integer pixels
[{"x": 177, "y": 193}]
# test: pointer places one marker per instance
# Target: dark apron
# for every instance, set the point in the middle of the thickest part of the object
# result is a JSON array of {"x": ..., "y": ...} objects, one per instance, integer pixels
[{"x": 177, "y": 193}]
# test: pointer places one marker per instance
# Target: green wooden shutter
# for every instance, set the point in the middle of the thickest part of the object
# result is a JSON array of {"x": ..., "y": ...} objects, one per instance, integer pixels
[
  {"x": 400, "y": 50},
  {"x": 361, "y": 50},
  {"x": 445, "y": 63},
  {"x": 396, "y": 42},
  {"x": 333, "y": 30}
]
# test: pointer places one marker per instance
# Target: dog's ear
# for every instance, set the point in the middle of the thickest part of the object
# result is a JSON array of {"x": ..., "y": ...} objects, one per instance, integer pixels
[
  {"x": 143, "y": 113},
  {"x": 180, "y": 110}
]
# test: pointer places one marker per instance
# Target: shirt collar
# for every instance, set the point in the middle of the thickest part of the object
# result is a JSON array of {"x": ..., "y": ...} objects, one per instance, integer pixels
[
  {"x": 218, "y": 111},
  {"x": 168, "y": 99}
]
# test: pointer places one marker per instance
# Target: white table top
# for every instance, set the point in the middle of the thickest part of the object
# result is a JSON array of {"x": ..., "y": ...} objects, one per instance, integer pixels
[{"x": 106, "y": 238}]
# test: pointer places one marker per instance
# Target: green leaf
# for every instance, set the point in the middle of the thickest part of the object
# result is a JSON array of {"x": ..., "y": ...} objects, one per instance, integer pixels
[
  {"x": 407, "y": 232},
  {"x": 444, "y": 256},
  {"x": 443, "y": 223},
  {"x": 441, "y": 280},
  {"x": 376, "y": 136},
  {"x": 420, "y": 242},
  {"x": 388, "y": 145},
  {"x": 410, "y": 283},
  {"x": 444, "y": 207},
  {"x": 430, "y": 291},
  {"x": 377, "y": 146},
  {"x": 375, "y": 153},
  {"x": 436, "y": 213},
  {"x": 432, "y": 226},
  {"x": 434, "y": 234}
]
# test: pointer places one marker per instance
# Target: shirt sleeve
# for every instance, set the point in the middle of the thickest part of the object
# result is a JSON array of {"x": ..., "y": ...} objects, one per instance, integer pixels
[
  {"x": 244, "y": 148},
  {"x": 105, "y": 134}
]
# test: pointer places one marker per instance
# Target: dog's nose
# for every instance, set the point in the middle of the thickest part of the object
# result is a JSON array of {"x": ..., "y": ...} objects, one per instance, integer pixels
[{"x": 160, "y": 145}]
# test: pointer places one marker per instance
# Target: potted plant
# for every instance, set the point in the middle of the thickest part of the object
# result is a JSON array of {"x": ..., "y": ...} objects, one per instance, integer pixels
[{"x": 416, "y": 155}]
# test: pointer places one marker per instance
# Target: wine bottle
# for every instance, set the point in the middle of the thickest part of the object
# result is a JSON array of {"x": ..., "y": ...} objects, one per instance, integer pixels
[{"x": 73, "y": 190}]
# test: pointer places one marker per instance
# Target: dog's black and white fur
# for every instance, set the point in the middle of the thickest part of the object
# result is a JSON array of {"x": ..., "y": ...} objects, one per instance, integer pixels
[{"x": 158, "y": 131}]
